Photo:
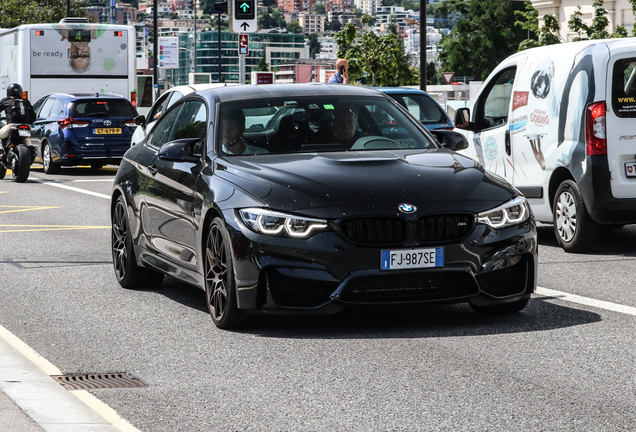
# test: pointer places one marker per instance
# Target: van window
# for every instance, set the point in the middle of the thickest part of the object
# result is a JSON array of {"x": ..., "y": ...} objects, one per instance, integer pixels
[
  {"x": 497, "y": 102},
  {"x": 624, "y": 87}
]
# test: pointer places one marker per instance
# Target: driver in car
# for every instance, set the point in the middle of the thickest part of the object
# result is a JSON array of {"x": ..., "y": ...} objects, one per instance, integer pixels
[{"x": 232, "y": 129}]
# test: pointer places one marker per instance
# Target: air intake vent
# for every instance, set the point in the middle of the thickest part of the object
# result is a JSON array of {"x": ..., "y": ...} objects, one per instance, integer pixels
[
  {"x": 375, "y": 231},
  {"x": 444, "y": 227}
]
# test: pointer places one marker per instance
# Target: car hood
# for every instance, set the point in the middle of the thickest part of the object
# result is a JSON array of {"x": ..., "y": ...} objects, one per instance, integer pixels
[{"x": 374, "y": 182}]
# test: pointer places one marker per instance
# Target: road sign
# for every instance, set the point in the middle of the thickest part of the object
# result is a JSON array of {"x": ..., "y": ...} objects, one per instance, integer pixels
[
  {"x": 168, "y": 52},
  {"x": 244, "y": 42},
  {"x": 242, "y": 16},
  {"x": 448, "y": 76}
]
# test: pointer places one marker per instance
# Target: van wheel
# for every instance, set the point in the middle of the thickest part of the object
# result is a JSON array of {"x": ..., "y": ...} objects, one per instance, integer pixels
[{"x": 574, "y": 229}]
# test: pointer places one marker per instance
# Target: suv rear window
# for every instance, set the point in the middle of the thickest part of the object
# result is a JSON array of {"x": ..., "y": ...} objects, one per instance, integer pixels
[
  {"x": 624, "y": 87},
  {"x": 102, "y": 108}
]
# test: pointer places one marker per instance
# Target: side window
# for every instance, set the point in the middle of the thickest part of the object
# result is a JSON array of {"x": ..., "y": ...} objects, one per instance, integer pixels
[
  {"x": 164, "y": 129},
  {"x": 176, "y": 95},
  {"x": 191, "y": 123},
  {"x": 57, "y": 109},
  {"x": 38, "y": 105},
  {"x": 46, "y": 108},
  {"x": 158, "y": 108},
  {"x": 624, "y": 88},
  {"x": 424, "y": 109},
  {"x": 496, "y": 104}
]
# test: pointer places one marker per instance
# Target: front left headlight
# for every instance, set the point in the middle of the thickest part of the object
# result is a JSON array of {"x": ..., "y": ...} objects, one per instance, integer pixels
[
  {"x": 506, "y": 215},
  {"x": 269, "y": 222}
]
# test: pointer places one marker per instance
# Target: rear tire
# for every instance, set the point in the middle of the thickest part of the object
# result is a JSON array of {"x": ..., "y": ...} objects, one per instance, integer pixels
[
  {"x": 574, "y": 229},
  {"x": 47, "y": 160},
  {"x": 502, "y": 308},
  {"x": 3, "y": 172},
  {"x": 21, "y": 164},
  {"x": 128, "y": 273},
  {"x": 220, "y": 284}
]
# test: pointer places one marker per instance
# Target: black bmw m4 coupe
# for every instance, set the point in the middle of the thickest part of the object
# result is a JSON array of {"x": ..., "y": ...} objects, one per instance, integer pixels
[{"x": 308, "y": 198}]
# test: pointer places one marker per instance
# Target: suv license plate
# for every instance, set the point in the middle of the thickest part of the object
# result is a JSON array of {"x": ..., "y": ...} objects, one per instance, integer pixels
[
  {"x": 24, "y": 132},
  {"x": 412, "y": 258},
  {"x": 108, "y": 131},
  {"x": 630, "y": 169}
]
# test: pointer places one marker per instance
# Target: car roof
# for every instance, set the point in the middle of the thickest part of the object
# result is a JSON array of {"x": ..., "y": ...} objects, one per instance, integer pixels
[
  {"x": 247, "y": 91},
  {"x": 189, "y": 88},
  {"x": 393, "y": 90},
  {"x": 76, "y": 96}
]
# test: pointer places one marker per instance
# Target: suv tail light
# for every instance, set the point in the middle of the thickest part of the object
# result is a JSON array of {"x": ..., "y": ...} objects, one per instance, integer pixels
[
  {"x": 595, "y": 138},
  {"x": 71, "y": 123},
  {"x": 130, "y": 123}
]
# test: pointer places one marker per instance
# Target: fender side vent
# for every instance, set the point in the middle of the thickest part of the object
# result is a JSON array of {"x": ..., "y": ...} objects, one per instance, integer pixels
[{"x": 98, "y": 381}]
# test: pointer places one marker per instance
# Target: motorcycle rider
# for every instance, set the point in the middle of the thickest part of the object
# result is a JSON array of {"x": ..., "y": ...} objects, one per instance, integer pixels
[{"x": 18, "y": 111}]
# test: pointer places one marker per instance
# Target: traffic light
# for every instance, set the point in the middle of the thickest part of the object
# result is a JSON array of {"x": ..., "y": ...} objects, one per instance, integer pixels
[
  {"x": 244, "y": 10},
  {"x": 242, "y": 16}
]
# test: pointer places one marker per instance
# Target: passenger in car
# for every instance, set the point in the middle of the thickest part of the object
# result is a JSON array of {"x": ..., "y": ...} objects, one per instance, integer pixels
[
  {"x": 340, "y": 126},
  {"x": 231, "y": 133}
]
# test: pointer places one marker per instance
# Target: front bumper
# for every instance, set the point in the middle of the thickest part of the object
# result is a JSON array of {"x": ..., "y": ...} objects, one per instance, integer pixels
[{"x": 326, "y": 272}]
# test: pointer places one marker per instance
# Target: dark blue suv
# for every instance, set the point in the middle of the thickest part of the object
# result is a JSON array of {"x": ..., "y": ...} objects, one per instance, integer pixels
[{"x": 82, "y": 129}]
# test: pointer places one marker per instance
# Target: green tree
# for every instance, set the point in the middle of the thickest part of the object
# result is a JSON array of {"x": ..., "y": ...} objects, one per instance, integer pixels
[
  {"x": 482, "y": 38},
  {"x": 548, "y": 34},
  {"x": 262, "y": 65},
  {"x": 314, "y": 45},
  {"x": 600, "y": 23},
  {"x": 294, "y": 27},
  {"x": 14, "y": 13},
  {"x": 365, "y": 20},
  {"x": 319, "y": 8},
  {"x": 381, "y": 57}
]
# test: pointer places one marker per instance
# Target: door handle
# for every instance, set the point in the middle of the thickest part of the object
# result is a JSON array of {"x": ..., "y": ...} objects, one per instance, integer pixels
[
  {"x": 508, "y": 149},
  {"x": 152, "y": 169}
]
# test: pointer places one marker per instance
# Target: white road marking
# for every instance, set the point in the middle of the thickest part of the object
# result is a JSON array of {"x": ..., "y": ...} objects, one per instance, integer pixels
[
  {"x": 74, "y": 189},
  {"x": 614, "y": 307}
]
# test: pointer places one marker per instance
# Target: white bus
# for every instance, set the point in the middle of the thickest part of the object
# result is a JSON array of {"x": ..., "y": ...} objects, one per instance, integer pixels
[{"x": 72, "y": 56}]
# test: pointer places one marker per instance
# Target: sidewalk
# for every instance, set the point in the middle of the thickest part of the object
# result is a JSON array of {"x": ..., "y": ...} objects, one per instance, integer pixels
[{"x": 32, "y": 401}]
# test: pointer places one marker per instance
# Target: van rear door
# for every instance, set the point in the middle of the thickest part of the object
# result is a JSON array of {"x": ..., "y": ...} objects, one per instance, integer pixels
[{"x": 621, "y": 121}]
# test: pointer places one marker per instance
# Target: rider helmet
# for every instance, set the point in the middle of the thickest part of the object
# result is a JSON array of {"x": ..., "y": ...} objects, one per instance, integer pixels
[{"x": 14, "y": 90}]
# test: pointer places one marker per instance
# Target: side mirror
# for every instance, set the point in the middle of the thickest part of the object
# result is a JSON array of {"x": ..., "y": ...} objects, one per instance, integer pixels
[
  {"x": 180, "y": 150},
  {"x": 462, "y": 118},
  {"x": 140, "y": 121},
  {"x": 450, "y": 139}
]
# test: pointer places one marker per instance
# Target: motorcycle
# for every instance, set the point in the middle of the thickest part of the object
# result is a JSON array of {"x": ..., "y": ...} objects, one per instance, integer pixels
[{"x": 17, "y": 153}]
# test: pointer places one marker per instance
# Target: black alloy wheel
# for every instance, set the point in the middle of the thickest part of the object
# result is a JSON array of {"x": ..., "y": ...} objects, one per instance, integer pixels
[
  {"x": 128, "y": 273},
  {"x": 220, "y": 285}
]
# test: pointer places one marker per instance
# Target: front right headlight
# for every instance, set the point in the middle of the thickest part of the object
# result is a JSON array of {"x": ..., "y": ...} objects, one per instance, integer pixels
[{"x": 506, "y": 215}]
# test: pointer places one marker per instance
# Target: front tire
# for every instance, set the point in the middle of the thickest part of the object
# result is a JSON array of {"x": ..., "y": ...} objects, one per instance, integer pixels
[
  {"x": 21, "y": 164},
  {"x": 128, "y": 273},
  {"x": 47, "y": 160},
  {"x": 220, "y": 284},
  {"x": 574, "y": 228}
]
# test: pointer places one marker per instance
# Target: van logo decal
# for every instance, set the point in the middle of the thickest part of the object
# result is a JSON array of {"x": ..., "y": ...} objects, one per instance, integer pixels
[
  {"x": 490, "y": 149},
  {"x": 519, "y": 99},
  {"x": 627, "y": 137}
]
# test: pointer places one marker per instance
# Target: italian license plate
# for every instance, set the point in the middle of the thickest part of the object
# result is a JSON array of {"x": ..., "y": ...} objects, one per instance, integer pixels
[
  {"x": 107, "y": 131},
  {"x": 412, "y": 258},
  {"x": 630, "y": 169},
  {"x": 24, "y": 132}
]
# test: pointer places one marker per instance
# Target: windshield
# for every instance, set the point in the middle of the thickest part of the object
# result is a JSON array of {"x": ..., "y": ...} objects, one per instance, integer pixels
[{"x": 316, "y": 124}]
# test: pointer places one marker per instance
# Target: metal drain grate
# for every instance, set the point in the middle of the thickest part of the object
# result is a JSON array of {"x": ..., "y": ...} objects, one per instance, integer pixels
[{"x": 98, "y": 381}]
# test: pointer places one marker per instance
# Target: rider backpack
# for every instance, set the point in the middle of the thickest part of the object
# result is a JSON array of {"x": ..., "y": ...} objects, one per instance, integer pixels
[{"x": 21, "y": 111}]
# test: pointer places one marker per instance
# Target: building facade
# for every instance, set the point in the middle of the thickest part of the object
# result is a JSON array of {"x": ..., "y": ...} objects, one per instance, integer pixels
[
  {"x": 619, "y": 13},
  {"x": 312, "y": 23}
]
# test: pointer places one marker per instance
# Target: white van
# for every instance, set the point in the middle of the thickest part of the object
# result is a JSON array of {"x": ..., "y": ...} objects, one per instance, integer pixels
[{"x": 559, "y": 122}]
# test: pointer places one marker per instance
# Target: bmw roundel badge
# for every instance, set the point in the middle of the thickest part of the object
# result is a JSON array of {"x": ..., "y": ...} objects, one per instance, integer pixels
[{"x": 407, "y": 208}]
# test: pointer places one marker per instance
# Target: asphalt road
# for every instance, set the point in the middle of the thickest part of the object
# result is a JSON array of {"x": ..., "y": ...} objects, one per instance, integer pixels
[{"x": 566, "y": 363}]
